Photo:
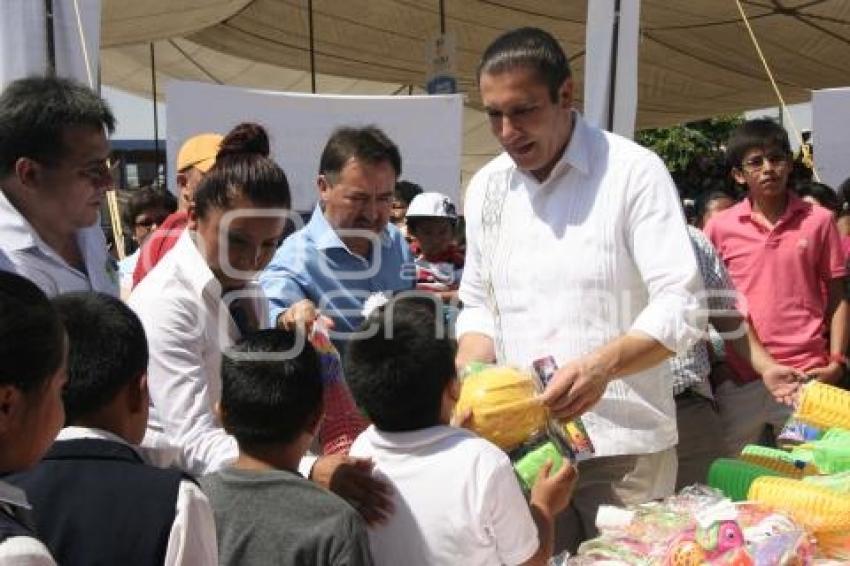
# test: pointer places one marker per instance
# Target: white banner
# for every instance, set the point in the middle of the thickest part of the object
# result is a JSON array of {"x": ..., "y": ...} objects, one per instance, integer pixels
[
  {"x": 427, "y": 130},
  {"x": 597, "y": 67},
  {"x": 831, "y": 134},
  {"x": 23, "y": 39}
]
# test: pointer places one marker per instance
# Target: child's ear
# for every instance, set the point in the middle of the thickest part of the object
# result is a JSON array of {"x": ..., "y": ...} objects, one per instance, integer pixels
[
  {"x": 218, "y": 411},
  {"x": 193, "y": 217},
  {"x": 453, "y": 389},
  {"x": 137, "y": 395},
  {"x": 10, "y": 401}
]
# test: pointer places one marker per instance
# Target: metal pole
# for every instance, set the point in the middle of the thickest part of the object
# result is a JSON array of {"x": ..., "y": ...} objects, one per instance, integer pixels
[
  {"x": 312, "y": 47},
  {"x": 612, "y": 81},
  {"x": 442, "y": 18},
  {"x": 51, "y": 40},
  {"x": 155, "y": 114}
]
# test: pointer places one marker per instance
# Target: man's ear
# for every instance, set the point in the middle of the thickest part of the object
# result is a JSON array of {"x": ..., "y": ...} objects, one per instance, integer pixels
[
  {"x": 28, "y": 171},
  {"x": 10, "y": 402},
  {"x": 325, "y": 187},
  {"x": 137, "y": 398},
  {"x": 566, "y": 94},
  {"x": 739, "y": 176},
  {"x": 182, "y": 180},
  {"x": 193, "y": 217}
]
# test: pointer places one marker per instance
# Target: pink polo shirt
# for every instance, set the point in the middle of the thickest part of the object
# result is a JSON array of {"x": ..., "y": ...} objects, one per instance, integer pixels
[{"x": 782, "y": 274}]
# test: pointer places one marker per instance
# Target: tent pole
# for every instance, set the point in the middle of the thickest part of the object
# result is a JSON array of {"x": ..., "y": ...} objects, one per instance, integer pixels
[
  {"x": 51, "y": 39},
  {"x": 155, "y": 113},
  {"x": 312, "y": 47},
  {"x": 612, "y": 80},
  {"x": 442, "y": 17}
]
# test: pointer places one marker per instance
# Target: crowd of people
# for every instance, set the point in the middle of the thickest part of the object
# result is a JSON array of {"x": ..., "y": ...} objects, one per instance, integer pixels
[{"x": 245, "y": 389}]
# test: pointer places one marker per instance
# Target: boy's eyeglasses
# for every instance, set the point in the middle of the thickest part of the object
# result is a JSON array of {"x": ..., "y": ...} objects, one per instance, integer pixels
[{"x": 756, "y": 163}]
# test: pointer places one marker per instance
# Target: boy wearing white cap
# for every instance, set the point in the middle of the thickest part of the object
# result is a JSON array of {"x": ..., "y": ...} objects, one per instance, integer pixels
[{"x": 431, "y": 220}]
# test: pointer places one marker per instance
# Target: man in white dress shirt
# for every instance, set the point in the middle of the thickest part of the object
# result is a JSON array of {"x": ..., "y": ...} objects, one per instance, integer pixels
[
  {"x": 54, "y": 173},
  {"x": 577, "y": 249}
]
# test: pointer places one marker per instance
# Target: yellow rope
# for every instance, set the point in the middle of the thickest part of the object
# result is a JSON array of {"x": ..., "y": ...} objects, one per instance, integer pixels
[{"x": 807, "y": 157}]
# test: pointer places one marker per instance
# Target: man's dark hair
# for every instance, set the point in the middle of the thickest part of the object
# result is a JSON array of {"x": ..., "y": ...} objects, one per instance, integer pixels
[
  {"x": 107, "y": 349},
  {"x": 266, "y": 399},
  {"x": 243, "y": 168},
  {"x": 36, "y": 111},
  {"x": 148, "y": 198},
  {"x": 399, "y": 373},
  {"x": 405, "y": 191},
  {"x": 530, "y": 48},
  {"x": 753, "y": 134},
  {"x": 32, "y": 339},
  {"x": 369, "y": 144}
]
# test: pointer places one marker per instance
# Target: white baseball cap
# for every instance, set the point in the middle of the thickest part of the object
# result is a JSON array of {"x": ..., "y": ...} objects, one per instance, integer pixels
[{"x": 432, "y": 205}]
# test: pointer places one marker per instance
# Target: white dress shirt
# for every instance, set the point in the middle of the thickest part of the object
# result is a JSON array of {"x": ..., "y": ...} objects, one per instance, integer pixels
[
  {"x": 192, "y": 537},
  {"x": 32, "y": 258},
  {"x": 188, "y": 326},
  {"x": 564, "y": 266}
]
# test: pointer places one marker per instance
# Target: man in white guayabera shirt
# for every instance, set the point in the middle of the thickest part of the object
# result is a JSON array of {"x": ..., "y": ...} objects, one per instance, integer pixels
[{"x": 577, "y": 249}]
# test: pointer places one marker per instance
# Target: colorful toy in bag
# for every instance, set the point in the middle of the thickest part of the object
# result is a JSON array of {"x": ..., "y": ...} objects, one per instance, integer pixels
[
  {"x": 528, "y": 466},
  {"x": 796, "y": 432},
  {"x": 824, "y": 406},
  {"x": 343, "y": 422},
  {"x": 504, "y": 404},
  {"x": 815, "y": 507}
]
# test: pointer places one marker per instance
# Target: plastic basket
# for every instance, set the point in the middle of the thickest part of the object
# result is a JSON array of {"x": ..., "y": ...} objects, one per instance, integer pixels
[
  {"x": 778, "y": 460},
  {"x": 817, "y": 508},
  {"x": 824, "y": 406},
  {"x": 734, "y": 477}
]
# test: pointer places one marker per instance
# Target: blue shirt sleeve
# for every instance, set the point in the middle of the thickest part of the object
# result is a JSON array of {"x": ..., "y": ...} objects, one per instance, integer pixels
[{"x": 280, "y": 285}]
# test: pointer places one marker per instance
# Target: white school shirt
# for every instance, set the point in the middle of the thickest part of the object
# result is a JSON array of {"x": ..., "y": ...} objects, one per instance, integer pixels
[
  {"x": 564, "y": 266},
  {"x": 188, "y": 326},
  {"x": 192, "y": 538},
  {"x": 32, "y": 258},
  {"x": 456, "y": 499},
  {"x": 20, "y": 550}
]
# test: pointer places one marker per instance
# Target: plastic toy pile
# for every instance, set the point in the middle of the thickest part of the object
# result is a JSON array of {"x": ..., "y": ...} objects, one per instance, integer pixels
[
  {"x": 697, "y": 527},
  {"x": 809, "y": 478}
]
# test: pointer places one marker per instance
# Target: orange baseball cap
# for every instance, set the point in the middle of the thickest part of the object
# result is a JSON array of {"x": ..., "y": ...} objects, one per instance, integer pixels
[{"x": 199, "y": 151}]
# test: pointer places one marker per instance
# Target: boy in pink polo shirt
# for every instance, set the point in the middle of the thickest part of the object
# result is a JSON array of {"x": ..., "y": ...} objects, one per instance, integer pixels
[{"x": 781, "y": 253}]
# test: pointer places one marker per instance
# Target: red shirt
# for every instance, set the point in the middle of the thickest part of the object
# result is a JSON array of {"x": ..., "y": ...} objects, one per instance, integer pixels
[
  {"x": 159, "y": 243},
  {"x": 780, "y": 274}
]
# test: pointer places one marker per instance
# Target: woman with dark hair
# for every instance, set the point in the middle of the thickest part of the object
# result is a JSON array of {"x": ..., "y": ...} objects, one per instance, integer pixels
[{"x": 202, "y": 297}]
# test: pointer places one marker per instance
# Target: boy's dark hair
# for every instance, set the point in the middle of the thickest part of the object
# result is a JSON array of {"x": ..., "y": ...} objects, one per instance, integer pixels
[
  {"x": 702, "y": 201},
  {"x": 34, "y": 113},
  {"x": 243, "y": 167},
  {"x": 399, "y": 373},
  {"x": 148, "y": 198},
  {"x": 406, "y": 191},
  {"x": 107, "y": 349},
  {"x": 752, "y": 134},
  {"x": 413, "y": 222},
  {"x": 265, "y": 398},
  {"x": 531, "y": 48},
  {"x": 32, "y": 339},
  {"x": 369, "y": 144}
]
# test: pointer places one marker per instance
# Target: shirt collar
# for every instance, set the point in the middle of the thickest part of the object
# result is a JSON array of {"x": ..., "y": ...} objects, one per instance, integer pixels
[
  {"x": 414, "y": 438},
  {"x": 16, "y": 232},
  {"x": 191, "y": 263},
  {"x": 13, "y": 495},
  {"x": 84, "y": 432},
  {"x": 795, "y": 206},
  {"x": 326, "y": 238},
  {"x": 577, "y": 154}
]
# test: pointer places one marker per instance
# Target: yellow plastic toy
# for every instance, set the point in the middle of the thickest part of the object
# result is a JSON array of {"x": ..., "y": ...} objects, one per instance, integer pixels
[
  {"x": 778, "y": 461},
  {"x": 824, "y": 406},
  {"x": 818, "y": 508},
  {"x": 504, "y": 404}
]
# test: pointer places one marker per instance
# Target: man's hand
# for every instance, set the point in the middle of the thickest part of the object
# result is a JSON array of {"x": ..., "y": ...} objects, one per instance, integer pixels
[
  {"x": 783, "y": 382},
  {"x": 574, "y": 389},
  {"x": 827, "y": 374},
  {"x": 351, "y": 478},
  {"x": 551, "y": 493},
  {"x": 302, "y": 315}
]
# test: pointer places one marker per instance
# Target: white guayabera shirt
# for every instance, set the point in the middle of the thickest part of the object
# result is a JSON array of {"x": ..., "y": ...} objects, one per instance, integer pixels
[{"x": 562, "y": 267}]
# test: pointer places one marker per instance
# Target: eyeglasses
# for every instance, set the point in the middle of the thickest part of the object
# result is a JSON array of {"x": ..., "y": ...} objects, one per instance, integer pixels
[
  {"x": 99, "y": 171},
  {"x": 756, "y": 163}
]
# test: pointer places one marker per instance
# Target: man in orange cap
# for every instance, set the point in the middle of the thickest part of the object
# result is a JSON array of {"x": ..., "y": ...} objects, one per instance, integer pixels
[{"x": 195, "y": 158}]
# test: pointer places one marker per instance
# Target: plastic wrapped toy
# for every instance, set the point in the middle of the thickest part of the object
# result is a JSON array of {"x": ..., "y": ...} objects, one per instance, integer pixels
[
  {"x": 814, "y": 506},
  {"x": 504, "y": 404},
  {"x": 528, "y": 466}
]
